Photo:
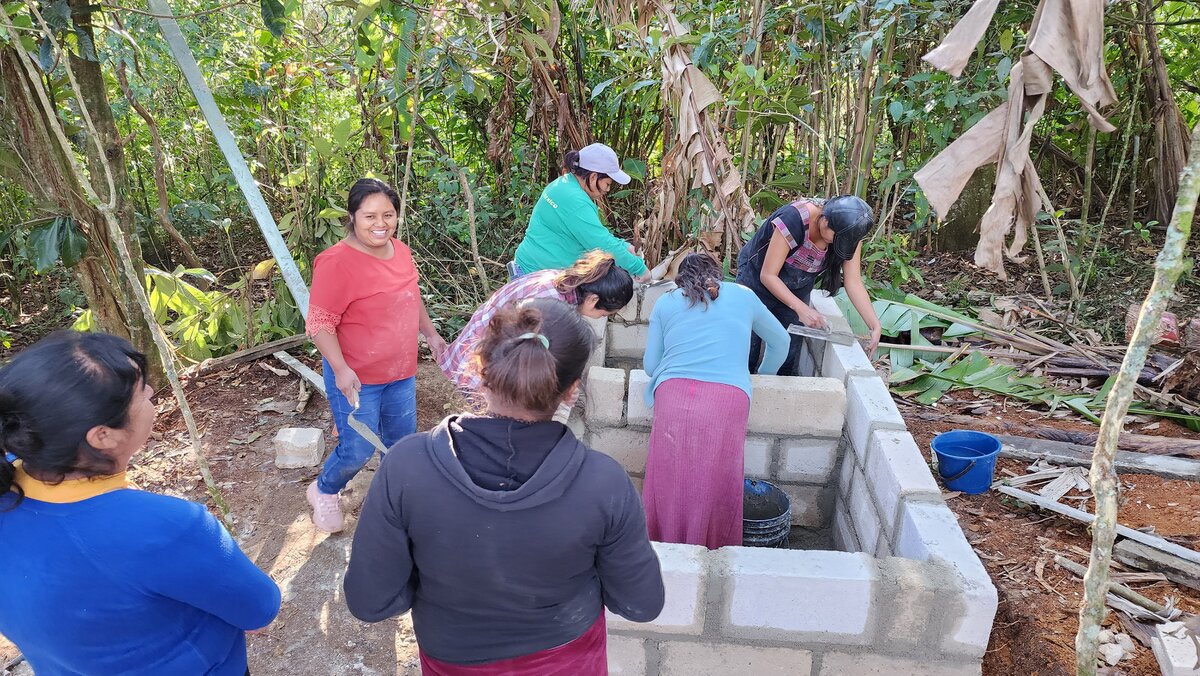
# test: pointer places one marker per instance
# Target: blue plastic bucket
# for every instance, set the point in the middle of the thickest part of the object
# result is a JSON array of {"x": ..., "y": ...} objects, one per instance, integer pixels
[
  {"x": 766, "y": 515},
  {"x": 966, "y": 459}
]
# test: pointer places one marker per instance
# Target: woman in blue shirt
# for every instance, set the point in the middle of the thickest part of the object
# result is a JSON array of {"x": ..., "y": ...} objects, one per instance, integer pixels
[
  {"x": 100, "y": 577},
  {"x": 697, "y": 353}
]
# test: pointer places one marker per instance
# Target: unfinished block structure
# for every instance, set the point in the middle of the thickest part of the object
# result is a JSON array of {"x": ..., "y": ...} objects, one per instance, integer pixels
[{"x": 900, "y": 592}]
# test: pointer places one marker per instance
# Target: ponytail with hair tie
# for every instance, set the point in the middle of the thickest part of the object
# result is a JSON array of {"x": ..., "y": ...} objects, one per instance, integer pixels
[{"x": 530, "y": 336}]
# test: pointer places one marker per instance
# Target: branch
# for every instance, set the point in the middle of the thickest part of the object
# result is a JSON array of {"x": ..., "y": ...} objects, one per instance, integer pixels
[
  {"x": 203, "y": 12},
  {"x": 107, "y": 210},
  {"x": 466, "y": 187},
  {"x": 1167, "y": 270}
]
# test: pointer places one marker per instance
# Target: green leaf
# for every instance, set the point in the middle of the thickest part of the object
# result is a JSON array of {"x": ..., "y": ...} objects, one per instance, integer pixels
[
  {"x": 342, "y": 131},
  {"x": 273, "y": 16},
  {"x": 635, "y": 168},
  {"x": 333, "y": 213},
  {"x": 365, "y": 9},
  {"x": 46, "y": 54},
  {"x": 1006, "y": 40},
  {"x": 896, "y": 109},
  {"x": 599, "y": 89},
  {"x": 72, "y": 243}
]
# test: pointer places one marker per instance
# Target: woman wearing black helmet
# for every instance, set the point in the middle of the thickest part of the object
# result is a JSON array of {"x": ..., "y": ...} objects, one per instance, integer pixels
[{"x": 795, "y": 246}]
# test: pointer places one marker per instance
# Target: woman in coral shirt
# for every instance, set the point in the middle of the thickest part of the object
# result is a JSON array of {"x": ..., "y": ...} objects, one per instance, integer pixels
[{"x": 364, "y": 314}]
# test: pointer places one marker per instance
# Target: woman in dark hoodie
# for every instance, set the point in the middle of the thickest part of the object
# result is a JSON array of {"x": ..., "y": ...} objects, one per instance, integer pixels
[{"x": 503, "y": 533}]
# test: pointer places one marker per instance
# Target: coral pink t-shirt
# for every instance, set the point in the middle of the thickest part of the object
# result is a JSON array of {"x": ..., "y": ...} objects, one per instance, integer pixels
[{"x": 372, "y": 305}]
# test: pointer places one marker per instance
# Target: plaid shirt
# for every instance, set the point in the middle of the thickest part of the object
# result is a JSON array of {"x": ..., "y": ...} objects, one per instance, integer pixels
[
  {"x": 804, "y": 256},
  {"x": 459, "y": 363}
]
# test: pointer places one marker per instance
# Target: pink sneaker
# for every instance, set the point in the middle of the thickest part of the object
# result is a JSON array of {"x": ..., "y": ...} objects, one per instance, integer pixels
[{"x": 327, "y": 510}]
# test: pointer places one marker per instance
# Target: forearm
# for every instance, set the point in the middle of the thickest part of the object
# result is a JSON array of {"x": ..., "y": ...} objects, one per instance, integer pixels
[
  {"x": 861, "y": 300},
  {"x": 331, "y": 349},
  {"x": 425, "y": 324}
]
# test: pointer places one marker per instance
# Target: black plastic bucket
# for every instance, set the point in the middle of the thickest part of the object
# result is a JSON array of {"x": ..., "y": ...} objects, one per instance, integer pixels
[{"x": 766, "y": 515}]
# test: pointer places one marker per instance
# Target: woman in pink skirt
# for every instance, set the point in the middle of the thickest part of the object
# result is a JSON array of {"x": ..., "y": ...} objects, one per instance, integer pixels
[{"x": 697, "y": 355}]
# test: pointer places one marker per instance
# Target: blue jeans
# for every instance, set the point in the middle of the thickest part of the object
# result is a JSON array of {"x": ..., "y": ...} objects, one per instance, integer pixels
[{"x": 389, "y": 410}]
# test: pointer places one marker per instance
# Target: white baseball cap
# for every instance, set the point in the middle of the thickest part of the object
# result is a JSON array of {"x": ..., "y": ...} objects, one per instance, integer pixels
[{"x": 602, "y": 160}]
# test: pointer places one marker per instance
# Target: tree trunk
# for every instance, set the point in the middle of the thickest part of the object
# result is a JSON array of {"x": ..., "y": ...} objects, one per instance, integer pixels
[
  {"x": 50, "y": 179},
  {"x": 1170, "y": 265}
]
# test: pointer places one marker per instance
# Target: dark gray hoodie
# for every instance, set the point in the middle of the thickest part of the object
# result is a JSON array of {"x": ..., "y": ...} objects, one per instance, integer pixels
[{"x": 503, "y": 538}]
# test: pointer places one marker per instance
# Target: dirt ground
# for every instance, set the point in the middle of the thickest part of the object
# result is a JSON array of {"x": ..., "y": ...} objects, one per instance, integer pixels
[
  {"x": 1034, "y": 631},
  {"x": 239, "y": 409}
]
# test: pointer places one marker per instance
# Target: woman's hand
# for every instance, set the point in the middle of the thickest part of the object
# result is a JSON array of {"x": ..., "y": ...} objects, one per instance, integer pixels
[
  {"x": 876, "y": 332},
  {"x": 811, "y": 318},
  {"x": 436, "y": 345},
  {"x": 348, "y": 384}
]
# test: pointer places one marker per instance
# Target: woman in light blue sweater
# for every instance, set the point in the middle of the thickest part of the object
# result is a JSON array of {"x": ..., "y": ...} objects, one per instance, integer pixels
[{"x": 697, "y": 357}]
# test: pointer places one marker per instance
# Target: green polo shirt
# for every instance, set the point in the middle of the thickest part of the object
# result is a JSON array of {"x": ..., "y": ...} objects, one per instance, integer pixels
[{"x": 565, "y": 225}]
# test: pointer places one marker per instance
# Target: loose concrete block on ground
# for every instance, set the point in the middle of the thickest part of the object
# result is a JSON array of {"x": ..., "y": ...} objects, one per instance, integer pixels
[
  {"x": 811, "y": 407},
  {"x": 626, "y": 446},
  {"x": 898, "y": 472},
  {"x": 626, "y": 341},
  {"x": 685, "y": 573},
  {"x": 808, "y": 460},
  {"x": 782, "y": 594},
  {"x": 724, "y": 659},
  {"x": 757, "y": 460},
  {"x": 299, "y": 447},
  {"x": 1175, "y": 649},
  {"x": 869, "y": 406},
  {"x": 604, "y": 400},
  {"x": 638, "y": 413},
  {"x": 650, "y": 296},
  {"x": 844, "y": 664},
  {"x": 626, "y": 656}
]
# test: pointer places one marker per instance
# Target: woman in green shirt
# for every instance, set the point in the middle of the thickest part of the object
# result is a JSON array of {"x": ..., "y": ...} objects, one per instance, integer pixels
[{"x": 566, "y": 220}]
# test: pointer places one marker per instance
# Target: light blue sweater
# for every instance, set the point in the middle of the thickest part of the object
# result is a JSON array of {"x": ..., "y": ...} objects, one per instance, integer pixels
[{"x": 711, "y": 344}]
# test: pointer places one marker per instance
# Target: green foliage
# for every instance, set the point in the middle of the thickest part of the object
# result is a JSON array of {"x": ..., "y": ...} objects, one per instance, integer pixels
[
  {"x": 893, "y": 256},
  {"x": 57, "y": 240}
]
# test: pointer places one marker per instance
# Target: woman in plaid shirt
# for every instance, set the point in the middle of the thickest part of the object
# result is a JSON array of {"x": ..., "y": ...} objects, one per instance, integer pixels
[{"x": 596, "y": 286}]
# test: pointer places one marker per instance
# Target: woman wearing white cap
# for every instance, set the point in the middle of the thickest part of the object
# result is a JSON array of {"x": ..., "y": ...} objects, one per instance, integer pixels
[{"x": 566, "y": 221}]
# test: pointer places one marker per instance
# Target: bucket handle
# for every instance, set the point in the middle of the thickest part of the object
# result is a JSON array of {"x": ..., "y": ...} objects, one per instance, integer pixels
[{"x": 961, "y": 473}]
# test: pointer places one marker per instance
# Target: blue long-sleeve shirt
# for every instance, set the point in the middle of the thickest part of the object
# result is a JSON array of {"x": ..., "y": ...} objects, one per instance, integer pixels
[
  {"x": 100, "y": 578},
  {"x": 711, "y": 344}
]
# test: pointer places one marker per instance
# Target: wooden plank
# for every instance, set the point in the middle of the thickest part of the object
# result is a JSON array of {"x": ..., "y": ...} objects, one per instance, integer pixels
[
  {"x": 1177, "y": 570},
  {"x": 312, "y": 377},
  {"x": 1115, "y": 587},
  {"x": 1075, "y": 455},
  {"x": 250, "y": 354},
  {"x": 1085, "y": 517}
]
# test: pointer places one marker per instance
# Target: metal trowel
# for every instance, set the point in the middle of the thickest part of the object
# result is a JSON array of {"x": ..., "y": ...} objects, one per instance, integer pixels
[
  {"x": 364, "y": 431},
  {"x": 827, "y": 333}
]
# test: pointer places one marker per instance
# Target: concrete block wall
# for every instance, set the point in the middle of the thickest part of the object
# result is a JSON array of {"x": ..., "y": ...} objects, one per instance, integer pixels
[
  {"x": 906, "y": 593},
  {"x": 794, "y": 434}
]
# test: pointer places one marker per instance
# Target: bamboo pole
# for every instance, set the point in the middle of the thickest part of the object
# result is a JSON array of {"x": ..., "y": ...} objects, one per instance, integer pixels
[
  {"x": 1167, "y": 269},
  {"x": 237, "y": 164}
]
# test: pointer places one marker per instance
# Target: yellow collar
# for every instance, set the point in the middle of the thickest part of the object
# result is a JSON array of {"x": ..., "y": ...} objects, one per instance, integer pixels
[{"x": 72, "y": 490}]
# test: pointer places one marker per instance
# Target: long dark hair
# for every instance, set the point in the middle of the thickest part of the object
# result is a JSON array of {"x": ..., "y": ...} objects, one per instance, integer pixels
[
  {"x": 53, "y": 392},
  {"x": 597, "y": 272},
  {"x": 518, "y": 367},
  {"x": 699, "y": 278},
  {"x": 851, "y": 219}
]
